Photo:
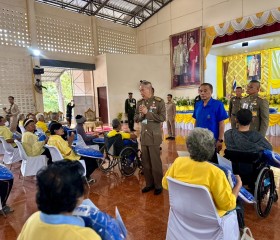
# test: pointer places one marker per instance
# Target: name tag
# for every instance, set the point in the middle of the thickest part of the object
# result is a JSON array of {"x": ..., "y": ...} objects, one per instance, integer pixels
[{"x": 144, "y": 121}]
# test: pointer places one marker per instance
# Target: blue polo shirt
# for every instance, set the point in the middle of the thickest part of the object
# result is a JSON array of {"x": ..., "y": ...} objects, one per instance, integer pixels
[{"x": 210, "y": 115}]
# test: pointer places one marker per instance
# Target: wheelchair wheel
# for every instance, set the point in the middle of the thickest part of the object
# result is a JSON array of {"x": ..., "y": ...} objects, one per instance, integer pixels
[
  {"x": 264, "y": 192},
  {"x": 107, "y": 163},
  {"x": 128, "y": 161}
]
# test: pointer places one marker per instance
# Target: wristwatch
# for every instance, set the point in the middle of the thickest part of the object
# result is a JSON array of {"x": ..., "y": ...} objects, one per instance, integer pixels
[{"x": 220, "y": 140}]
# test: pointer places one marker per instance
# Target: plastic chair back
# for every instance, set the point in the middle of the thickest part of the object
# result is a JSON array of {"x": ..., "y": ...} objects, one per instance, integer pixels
[{"x": 193, "y": 214}]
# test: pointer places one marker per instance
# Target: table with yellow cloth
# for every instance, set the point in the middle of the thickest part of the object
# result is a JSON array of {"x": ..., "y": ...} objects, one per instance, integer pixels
[{"x": 186, "y": 121}]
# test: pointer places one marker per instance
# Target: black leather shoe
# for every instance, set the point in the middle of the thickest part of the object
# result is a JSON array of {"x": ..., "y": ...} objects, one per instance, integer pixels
[
  {"x": 158, "y": 191},
  {"x": 167, "y": 138},
  {"x": 147, "y": 189}
]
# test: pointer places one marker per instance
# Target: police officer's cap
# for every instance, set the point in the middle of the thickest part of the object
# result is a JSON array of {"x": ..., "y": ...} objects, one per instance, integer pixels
[{"x": 130, "y": 93}]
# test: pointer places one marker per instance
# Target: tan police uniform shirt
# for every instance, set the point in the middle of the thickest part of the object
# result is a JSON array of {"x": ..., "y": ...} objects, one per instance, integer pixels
[
  {"x": 260, "y": 111},
  {"x": 234, "y": 106},
  {"x": 170, "y": 110},
  {"x": 151, "y": 122}
]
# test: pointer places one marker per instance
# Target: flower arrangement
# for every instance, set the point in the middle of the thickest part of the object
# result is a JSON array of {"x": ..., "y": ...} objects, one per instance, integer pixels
[
  {"x": 183, "y": 101},
  {"x": 273, "y": 99},
  {"x": 224, "y": 100}
]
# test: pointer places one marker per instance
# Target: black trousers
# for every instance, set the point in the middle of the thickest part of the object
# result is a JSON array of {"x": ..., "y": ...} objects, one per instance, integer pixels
[
  {"x": 91, "y": 165},
  {"x": 48, "y": 155},
  {"x": 5, "y": 189},
  {"x": 130, "y": 118}
]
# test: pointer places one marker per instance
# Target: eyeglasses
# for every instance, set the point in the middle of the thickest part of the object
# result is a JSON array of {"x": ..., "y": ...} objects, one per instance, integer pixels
[{"x": 145, "y": 82}]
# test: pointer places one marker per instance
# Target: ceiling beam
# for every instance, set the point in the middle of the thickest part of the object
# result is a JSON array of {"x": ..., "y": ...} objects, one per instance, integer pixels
[{"x": 99, "y": 8}]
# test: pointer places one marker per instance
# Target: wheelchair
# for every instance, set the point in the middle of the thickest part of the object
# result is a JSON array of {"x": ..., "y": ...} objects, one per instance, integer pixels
[
  {"x": 116, "y": 152},
  {"x": 255, "y": 173}
]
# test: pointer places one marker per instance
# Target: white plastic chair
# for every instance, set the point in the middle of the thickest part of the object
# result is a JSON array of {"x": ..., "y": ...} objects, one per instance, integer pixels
[
  {"x": 2, "y": 150},
  {"x": 193, "y": 215},
  {"x": 30, "y": 165},
  {"x": 11, "y": 154},
  {"x": 22, "y": 129},
  {"x": 57, "y": 156},
  {"x": 80, "y": 142}
]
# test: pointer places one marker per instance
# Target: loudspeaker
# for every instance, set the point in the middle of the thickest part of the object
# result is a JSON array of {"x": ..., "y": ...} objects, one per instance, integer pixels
[{"x": 38, "y": 71}]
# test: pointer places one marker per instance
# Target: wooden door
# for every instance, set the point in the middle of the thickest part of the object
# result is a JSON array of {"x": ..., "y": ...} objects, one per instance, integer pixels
[{"x": 102, "y": 104}]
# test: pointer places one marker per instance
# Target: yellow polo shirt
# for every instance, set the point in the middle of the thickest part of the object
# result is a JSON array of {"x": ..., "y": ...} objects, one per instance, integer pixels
[
  {"x": 113, "y": 133},
  {"x": 31, "y": 144},
  {"x": 35, "y": 228},
  {"x": 42, "y": 125},
  {"x": 185, "y": 169},
  {"x": 62, "y": 146},
  {"x": 6, "y": 133}
]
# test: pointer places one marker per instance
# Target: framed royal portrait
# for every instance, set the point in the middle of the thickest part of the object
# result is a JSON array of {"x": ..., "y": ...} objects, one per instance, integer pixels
[
  {"x": 254, "y": 67},
  {"x": 186, "y": 59}
]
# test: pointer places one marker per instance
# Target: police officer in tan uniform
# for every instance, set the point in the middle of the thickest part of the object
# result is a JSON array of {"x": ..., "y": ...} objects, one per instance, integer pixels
[
  {"x": 150, "y": 112},
  {"x": 258, "y": 106},
  {"x": 234, "y": 106}
]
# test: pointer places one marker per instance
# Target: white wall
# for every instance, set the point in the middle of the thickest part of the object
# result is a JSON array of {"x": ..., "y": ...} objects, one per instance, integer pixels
[
  {"x": 211, "y": 72},
  {"x": 122, "y": 73}
]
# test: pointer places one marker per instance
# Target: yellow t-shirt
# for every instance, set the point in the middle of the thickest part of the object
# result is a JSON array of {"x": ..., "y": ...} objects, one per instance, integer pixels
[
  {"x": 62, "y": 146},
  {"x": 6, "y": 133},
  {"x": 31, "y": 144},
  {"x": 206, "y": 174},
  {"x": 42, "y": 125},
  {"x": 113, "y": 133},
  {"x": 35, "y": 228}
]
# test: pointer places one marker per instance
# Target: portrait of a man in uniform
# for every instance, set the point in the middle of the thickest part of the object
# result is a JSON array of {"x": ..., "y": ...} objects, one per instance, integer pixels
[
  {"x": 185, "y": 58},
  {"x": 254, "y": 67}
]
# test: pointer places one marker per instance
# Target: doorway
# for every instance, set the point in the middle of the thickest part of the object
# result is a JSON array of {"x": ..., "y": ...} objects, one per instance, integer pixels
[{"x": 102, "y": 103}]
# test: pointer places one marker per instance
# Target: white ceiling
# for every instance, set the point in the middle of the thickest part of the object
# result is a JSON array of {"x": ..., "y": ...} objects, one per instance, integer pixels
[{"x": 266, "y": 41}]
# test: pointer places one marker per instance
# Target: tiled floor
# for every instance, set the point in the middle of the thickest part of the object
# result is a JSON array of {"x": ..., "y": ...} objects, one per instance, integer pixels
[{"x": 145, "y": 215}]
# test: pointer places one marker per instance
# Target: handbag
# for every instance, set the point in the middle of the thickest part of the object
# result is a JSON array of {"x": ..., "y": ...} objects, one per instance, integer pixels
[{"x": 247, "y": 234}]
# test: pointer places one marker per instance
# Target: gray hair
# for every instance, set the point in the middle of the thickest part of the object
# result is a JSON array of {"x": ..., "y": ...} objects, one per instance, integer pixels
[
  {"x": 54, "y": 116},
  {"x": 201, "y": 144},
  {"x": 39, "y": 115},
  {"x": 116, "y": 123}
]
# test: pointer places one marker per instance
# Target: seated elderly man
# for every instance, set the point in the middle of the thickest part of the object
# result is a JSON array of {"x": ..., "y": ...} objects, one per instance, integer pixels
[
  {"x": 243, "y": 139},
  {"x": 41, "y": 122},
  {"x": 129, "y": 139},
  {"x": 80, "y": 120},
  {"x": 60, "y": 188},
  {"x": 197, "y": 170}
]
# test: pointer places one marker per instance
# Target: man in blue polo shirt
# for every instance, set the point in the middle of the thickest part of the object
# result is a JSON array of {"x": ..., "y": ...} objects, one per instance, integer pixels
[{"x": 210, "y": 113}]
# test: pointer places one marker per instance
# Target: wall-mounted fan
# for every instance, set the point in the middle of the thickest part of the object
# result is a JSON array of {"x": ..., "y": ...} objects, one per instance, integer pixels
[{"x": 38, "y": 86}]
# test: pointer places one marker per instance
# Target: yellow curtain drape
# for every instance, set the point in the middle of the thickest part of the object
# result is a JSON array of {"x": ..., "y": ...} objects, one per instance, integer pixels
[
  {"x": 237, "y": 25},
  {"x": 220, "y": 92}
]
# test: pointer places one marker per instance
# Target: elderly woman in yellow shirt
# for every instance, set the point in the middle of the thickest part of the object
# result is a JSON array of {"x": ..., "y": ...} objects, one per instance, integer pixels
[
  {"x": 65, "y": 149},
  {"x": 5, "y": 132},
  {"x": 31, "y": 144},
  {"x": 41, "y": 122},
  {"x": 197, "y": 170}
]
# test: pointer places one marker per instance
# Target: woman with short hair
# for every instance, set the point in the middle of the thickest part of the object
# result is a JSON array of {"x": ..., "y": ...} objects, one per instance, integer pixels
[
  {"x": 65, "y": 148},
  {"x": 197, "y": 170},
  {"x": 61, "y": 187}
]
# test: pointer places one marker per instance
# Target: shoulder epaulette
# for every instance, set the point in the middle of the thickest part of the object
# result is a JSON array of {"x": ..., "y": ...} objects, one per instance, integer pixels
[
  {"x": 158, "y": 99},
  {"x": 261, "y": 97}
]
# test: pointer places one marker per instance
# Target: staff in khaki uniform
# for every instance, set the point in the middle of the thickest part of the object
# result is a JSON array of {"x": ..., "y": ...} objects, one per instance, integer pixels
[
  {"x": 170, "y": 117},
  {"x": 150, "y": 112},
  {"x": 12, "y": 113},
  {"x": 234, "y": 106},
  {"x": 258, "y": 106}
]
